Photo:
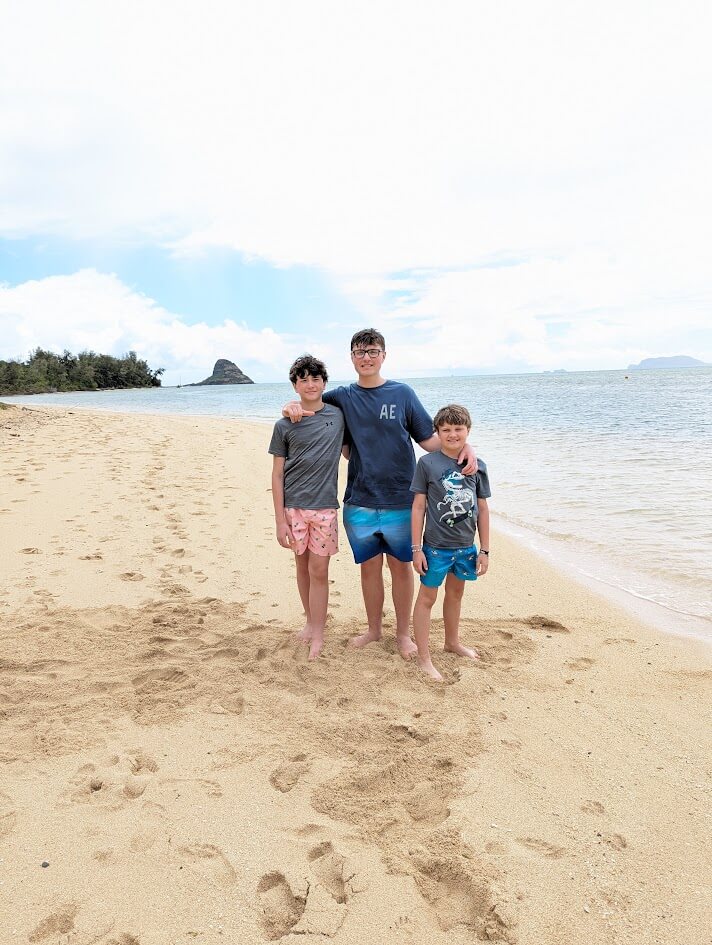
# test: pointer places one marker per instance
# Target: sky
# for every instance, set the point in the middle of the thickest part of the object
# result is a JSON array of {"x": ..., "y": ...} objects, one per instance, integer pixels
[{"x": 498, "y": 188}]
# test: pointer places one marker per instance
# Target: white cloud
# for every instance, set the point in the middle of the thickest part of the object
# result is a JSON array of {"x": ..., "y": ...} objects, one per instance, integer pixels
[
  {"x": 371, "y": 138},
  {"x": 89, "y": 310}
]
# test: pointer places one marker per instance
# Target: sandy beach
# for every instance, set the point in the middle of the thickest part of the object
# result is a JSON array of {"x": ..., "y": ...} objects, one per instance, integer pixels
[{"x": 173, "y": 770}]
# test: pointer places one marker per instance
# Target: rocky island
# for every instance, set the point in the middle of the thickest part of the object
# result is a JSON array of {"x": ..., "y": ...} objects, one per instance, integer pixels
[
  {"x": 224, "y": 372},
  {"x": 677, "y": 361}
]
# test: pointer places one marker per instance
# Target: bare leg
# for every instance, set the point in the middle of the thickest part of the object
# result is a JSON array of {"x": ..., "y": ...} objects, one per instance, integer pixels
[
  {"x": 318, "y": 601},
  {"x": 373, "y": 594},
  {"x": 454, "y": 589},
  {"x": 421, "y": 626},
  {"x": 402, "y": 589},
  {"x": 302, "y": 563}
]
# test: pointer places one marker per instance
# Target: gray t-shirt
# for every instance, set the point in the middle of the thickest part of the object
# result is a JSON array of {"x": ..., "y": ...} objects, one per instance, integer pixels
[
  {"x": 451, "y": 509},
  {"x": 312, "y": 449}
]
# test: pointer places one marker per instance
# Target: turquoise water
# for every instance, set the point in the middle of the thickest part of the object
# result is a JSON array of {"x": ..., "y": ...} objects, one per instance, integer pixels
[{"x": 604, "y": 472}]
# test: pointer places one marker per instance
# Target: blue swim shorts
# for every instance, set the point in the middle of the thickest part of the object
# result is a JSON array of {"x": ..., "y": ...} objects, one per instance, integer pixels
[
  {"x": 373, "y": 531},
  {"x": 462, "y": 562}
]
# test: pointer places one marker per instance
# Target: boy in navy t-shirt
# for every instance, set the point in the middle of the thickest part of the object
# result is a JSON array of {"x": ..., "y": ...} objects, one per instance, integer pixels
[{"x": 382, "y": 419}]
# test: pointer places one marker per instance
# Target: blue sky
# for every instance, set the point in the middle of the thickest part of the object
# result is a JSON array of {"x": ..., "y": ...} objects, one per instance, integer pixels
[
  {"x": 210, "y": 287},
  {"x": 502, "y": 189}
]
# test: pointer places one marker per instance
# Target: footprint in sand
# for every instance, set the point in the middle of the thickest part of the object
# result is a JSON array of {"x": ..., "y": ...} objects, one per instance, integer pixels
[
  {"x": 94, "y": 557},
  {"x": 8, "y": 815},
  {"x": 131, "y": 576},
  {"x": 281, "y": 909},
  {"x": 30, "y": 551},
  {"x": 459, "y": 891},
  {"x": 593, "y": 807},
  {"x": 66, "y": 924},
  {"x": 615, "y": 840},
  {"x": 328, "y": 867},
  {"x": 141, "y": 842},
  {"x": 544, "y": 623},
  {"x": 582, "y": 662},
  {"x": 209, "y": 862},
  {"x": 119, "y": 781},
  {"x": 542, "y": 847},
  {"x": 286, "y": 775},
  {"x": 229, "y": 704},
  {"x": 60, "y": 922}
]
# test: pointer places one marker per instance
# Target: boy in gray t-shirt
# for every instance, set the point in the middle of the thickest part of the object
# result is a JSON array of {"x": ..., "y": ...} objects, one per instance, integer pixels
[
  {"x": 453, "y": 507},
  {"x": 305, "y": 468}
]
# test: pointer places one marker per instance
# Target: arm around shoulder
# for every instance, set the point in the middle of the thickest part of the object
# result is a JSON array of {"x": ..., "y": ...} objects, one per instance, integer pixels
[{"x": 431, "y": 445}]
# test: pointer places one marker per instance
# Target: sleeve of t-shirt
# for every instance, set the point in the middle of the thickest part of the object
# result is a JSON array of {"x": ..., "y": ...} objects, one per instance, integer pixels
[
  {"x": 278, "y": 444},
  {"x": 482, "y": 479},
  {"x": 420, "y": 479},
  {"x": 333, "y": 396},
  {"x": 419, "y": 421}
]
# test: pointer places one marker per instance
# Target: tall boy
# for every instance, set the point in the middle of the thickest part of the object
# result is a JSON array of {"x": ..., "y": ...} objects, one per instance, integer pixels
[
  {"x": 304, "y": 491},
  {"x": 453, "y": 506},
  {"x": 382, "y": 419}
]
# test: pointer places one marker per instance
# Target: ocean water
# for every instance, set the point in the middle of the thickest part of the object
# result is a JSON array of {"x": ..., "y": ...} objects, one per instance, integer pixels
[{"x": 605, "y": 473}]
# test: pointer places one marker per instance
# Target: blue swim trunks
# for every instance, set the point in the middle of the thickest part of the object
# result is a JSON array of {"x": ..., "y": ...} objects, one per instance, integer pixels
[
  {"x": 462, "y": 562},
  {"x": 373, "y": 531}
]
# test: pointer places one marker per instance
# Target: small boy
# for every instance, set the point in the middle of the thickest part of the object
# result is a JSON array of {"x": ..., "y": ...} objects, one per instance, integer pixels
[
  {"x": 456, "y": 506},
  {"x": 304, "y": 491}
]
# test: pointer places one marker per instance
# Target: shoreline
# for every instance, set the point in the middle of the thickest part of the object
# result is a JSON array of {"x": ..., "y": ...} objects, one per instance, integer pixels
[
  {"x": 569, "y": 561},
  {"x": 186, "y": 774}
]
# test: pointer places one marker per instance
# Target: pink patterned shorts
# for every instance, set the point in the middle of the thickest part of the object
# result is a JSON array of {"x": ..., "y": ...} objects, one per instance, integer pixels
[{"x": 315, "y": 529}]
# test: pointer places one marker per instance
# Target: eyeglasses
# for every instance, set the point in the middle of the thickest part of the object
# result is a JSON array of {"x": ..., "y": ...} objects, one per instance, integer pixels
[{"x": 361, "y": 353}]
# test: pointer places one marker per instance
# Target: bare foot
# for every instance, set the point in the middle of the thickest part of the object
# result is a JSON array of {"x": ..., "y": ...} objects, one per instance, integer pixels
[
  {"x": 427, "y": 667},
  {"x": 406, "y": 647},
  {"x": 363, "y": 639},
  {"x": 316, "y": 646},
  {"x": 305, "y": 634},
  {"x": 461, "y": 650}
]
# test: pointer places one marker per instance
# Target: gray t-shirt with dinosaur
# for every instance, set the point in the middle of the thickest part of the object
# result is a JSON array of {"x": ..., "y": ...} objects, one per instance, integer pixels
[{"x": 451, "y": 509}]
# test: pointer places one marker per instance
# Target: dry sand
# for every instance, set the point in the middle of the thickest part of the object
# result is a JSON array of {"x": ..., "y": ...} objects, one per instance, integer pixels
[{"x": 174, "y": 771}]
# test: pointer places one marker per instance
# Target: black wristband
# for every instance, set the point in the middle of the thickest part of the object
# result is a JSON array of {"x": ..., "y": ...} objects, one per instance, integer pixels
[{"x": 483, "y": 552}]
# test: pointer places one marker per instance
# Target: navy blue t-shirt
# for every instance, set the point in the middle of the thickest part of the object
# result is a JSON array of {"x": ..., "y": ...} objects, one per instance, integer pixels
[{"x": 381, "y": 423}]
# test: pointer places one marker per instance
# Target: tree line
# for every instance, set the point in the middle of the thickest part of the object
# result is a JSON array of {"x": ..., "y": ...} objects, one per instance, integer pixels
[{"x": 45, "y": 372}]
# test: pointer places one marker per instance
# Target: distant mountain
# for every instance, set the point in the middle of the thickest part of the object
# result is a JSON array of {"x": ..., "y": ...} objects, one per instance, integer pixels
[
  {"x": 679, "y": 360},
  {"x": 224, "y": 372}
]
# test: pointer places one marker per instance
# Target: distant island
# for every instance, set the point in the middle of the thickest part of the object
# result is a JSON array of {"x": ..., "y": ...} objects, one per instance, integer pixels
[
  {"x": 45, "y": 372},
  {"x": 653, "y": 364},
  {"x": 224, "y": 372}
]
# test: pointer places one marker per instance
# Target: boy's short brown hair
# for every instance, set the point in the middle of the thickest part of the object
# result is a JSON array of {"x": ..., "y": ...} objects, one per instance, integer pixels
[
  {"x": 368, "y": 336},
  {"x": 454, "y": 414}
]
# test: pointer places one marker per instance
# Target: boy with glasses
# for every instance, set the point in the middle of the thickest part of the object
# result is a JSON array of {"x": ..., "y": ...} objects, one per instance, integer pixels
[{"x": 382, "y": 419}]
